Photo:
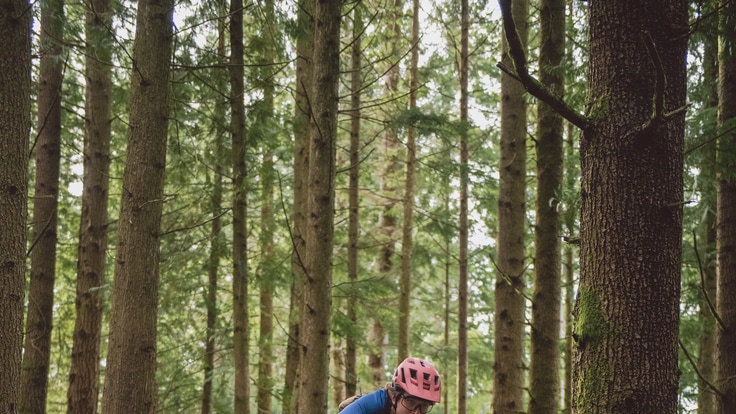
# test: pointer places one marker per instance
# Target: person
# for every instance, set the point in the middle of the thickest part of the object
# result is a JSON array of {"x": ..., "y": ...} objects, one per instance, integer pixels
[{"x": 415, "y": 388}]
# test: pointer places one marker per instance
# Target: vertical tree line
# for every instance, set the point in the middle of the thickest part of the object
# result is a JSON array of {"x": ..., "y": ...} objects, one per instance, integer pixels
[{"x": 380, "y": 172}]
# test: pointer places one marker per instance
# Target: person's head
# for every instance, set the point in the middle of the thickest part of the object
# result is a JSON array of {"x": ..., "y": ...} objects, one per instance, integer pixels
[{"x": 417, "y": 385}]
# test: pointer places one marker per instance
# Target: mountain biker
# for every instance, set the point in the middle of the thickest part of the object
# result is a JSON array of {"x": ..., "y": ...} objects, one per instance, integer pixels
[{"x": 415, "y": 389}]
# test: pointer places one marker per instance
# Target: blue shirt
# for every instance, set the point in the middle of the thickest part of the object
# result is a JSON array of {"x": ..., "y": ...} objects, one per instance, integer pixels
[{"x": 376, "y": 402}]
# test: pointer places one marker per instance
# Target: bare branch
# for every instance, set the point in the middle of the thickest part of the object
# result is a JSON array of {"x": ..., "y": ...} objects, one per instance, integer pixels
[{"x": 532, "y": 85}]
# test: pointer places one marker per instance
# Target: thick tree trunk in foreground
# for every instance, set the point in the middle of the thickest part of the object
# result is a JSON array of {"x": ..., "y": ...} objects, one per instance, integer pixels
[
  {"x": 130, "y": 376},
  {"x": 15, "y": 124},
  {"x": 315, "y": 323},
  {"x": 37, "y": 349},
  {"x": 627, "y": 310},
  {"x": 509, "y": 314},
  {"x": 84, "y": 376}
]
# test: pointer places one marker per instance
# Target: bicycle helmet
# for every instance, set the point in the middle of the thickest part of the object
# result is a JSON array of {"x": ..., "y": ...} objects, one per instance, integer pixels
[{"x": 418, "y": 378}]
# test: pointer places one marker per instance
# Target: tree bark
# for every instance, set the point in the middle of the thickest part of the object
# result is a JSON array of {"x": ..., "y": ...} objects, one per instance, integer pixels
[
  {"x": 627, "y": 309},
  {"x": 726, "y": 215},
  {"x": 84, "y": 375},
  {"x": 315, "y": 326},
  {"x": 241, "y": 355},
  {"x": 302, "y": 127},
  {"x": 130, "y": 381},
  {"x": 37, "y": 349},
  {"x": 15, "y": 126},
  {"x": 544, "y": 374},
  {"x": 510, "y": 306}
]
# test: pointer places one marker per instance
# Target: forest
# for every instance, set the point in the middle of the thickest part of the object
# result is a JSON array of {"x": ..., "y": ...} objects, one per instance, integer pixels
[{"x": 212, "y": 206}]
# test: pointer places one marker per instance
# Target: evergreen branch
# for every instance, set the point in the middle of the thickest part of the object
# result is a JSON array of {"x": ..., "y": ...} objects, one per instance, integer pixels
[
  {"x": 532, "y": 85},
  {"x": 697, "y": 370},
  {"x": 712, "y": 307}
]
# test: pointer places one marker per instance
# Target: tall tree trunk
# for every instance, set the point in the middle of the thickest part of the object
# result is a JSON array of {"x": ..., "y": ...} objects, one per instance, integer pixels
[
  {"x": 37, "y": 349},
  {"x": 407, "y": 237},
  {"x": 15, "y": 124},
  {"x": 302, "y": 126},
  {"x": 213, "y": 266},
  {"x": 462, "y": 290},
  {"x": 240, "y": 233},
  {"x": 267, "y": 268},
  {"x": 387, "y": 221},
  {"x": 569, "y": 222},
  {"x": 544, "y": 373},
  {"x": 130, "y": 380},
  {"x": 707, "y": 235},
  {"x": 216, "y": 234},
  {"x": 84, "y": 376},
  {"x": 510, "y": 308},
  {"x": 726, "y": 215},
  {"x": 315, "y": 326},
  {"x": 356, "y": 83},
  {"x": 627, "y": 309}
]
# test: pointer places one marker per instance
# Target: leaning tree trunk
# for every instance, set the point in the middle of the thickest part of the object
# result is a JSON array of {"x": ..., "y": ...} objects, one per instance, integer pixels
[
  {"x": 544, "y": 377},
  {"x": 726, "y": 212},
  {"x": 37, "y": 349},
  {"x": 15, "y": 125},
  {"x": 510, "y": 307},
  {"x": 627, "y": 310},
  {"x": 315, "y": 323},
  {"x": 130, "y": 376}
]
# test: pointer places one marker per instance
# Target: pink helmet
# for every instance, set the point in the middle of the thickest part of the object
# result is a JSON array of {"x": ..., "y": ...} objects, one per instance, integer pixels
[{"x": 418, "y": 378}]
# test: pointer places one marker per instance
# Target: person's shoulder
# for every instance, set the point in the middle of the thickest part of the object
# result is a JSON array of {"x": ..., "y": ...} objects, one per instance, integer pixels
[{"x": 371, "y": 403}]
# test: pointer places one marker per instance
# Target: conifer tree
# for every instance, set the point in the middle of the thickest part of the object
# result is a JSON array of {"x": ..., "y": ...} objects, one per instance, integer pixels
[{"x": 15, "y": 123}]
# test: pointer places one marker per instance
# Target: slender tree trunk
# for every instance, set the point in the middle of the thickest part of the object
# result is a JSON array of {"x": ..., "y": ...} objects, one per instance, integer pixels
[
  {"x": 407, "y": 237},
  {"x": 240, "y": 233},
  {"x": 707, "y": 235},
  {"x": 387, "y": 221},
  {"x": 37, "y": 349},
  {"x": 15, "y": 126},
  {"x": 446, "y": 339},
  {"x": 267, "y": 268},
  {"x": 84, "y": 376},
  {"x": 315, "y": 327},
  {"x": 130, "y": 380},
  {"x": 356, "y": 82},
  {"x": 627, "y": 309},
  {"x": 216, "y": 234},
  {"x": 569, "y": 221},
  {"x": 213, "y": 266},
  {"x": 302, "y": 126},
  {"x": 509, "y": 315},
  {"x": 544, "y": 373},
  {"x": 462, "y": 313},
  {"x": 726, "y": 215}
]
